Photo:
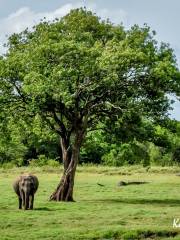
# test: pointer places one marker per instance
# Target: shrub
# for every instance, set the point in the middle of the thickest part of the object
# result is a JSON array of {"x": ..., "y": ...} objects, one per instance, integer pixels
[
  {"x": 8, "y": 165},
  {"x": 53, "y": 163},
  {"x": 127, "y": 154},
  {"x": 119, "y": 155},
  {"x": 40, "y": 161},
  {"x": 43, "y": 161}
]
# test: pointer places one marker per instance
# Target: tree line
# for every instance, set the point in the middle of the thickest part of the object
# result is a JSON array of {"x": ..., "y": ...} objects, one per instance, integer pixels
[{"x": 132, "y": 142}]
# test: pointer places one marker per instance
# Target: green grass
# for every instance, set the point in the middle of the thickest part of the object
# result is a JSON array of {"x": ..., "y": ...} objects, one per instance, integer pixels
[{"x": 110, "y": 212}]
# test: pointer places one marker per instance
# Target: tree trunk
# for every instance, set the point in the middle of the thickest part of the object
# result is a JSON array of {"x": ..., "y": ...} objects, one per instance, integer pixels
[{"x": 64, "y": 190}]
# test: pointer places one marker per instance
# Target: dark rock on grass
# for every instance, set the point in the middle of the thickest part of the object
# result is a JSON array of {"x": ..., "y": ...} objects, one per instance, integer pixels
[
  {"x": 101, "y": 185},
  {"x": 123, "y": 183}
]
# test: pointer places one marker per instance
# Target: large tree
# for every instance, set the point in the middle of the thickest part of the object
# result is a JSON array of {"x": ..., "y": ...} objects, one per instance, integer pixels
[{"x": 79, "y": 71}]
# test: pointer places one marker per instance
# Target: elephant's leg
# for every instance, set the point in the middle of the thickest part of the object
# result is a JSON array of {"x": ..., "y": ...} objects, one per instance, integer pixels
[
  {"x": 22, "y": 196},
  {"x": 26, "y": 206},
  {"x": 20, "y": 202},
  {"x": 31, "y": 201}
]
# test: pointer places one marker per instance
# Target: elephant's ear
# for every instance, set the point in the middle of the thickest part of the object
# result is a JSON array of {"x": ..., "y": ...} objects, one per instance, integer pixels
[{"x": 33, "y": 184}]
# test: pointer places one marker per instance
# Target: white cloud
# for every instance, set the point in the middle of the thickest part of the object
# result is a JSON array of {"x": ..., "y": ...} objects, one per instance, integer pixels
[{"x": 25, "y": 17}]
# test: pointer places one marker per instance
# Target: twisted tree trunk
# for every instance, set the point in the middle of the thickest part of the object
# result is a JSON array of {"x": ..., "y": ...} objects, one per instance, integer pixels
[{"x": 64, "y": 190}]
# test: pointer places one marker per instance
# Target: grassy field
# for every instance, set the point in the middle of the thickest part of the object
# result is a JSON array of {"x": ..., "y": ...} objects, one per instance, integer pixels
[{"x": 100, "y": 212}]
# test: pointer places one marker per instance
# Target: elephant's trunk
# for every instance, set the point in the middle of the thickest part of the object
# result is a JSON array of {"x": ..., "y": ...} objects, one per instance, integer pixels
[{"x": 26, "y": 206}]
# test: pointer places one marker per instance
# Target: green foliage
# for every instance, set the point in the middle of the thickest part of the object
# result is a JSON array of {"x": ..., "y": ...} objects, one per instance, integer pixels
[
  {"x": 8, "y": 165},
  {"x": 11, "y": 147},
  {"x": 176, "y": 154},
  {"x": 43, "y": 161},
  {"x": 155, "y": 154},
  {"x": 127, "y": 154},
  {"x": 22, "y": 140},
  {"x": 94, "y": 147},
  {"x": 52, "y": 163}
]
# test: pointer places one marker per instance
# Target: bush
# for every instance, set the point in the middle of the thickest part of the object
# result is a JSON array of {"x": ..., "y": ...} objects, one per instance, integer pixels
[
  {"x": 119, "y": 155},
  {"x": 112, "y": 158},
  {"x": 43, "y": 161},
  {"x": 8, "y": 165},
  {"x": 53, "y": 163},
  {"x": 40, "y": 161},
  {"x": 127, "y": 154},
  {"x": 166, "y": 160}
]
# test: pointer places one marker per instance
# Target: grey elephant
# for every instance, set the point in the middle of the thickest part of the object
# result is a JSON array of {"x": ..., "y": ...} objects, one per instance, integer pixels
[{"x": 25, "y": 186}]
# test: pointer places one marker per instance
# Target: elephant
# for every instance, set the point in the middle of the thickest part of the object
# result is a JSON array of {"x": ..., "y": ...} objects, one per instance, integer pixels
[{"x": 25, "y": 186}]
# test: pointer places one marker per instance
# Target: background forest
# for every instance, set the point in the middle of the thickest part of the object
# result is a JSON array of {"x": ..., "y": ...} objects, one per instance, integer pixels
[{"x": 132, "y": 141}]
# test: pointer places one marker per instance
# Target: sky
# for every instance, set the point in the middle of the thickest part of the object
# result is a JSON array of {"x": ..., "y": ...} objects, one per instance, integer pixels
[{"x": 161, "y": 15}]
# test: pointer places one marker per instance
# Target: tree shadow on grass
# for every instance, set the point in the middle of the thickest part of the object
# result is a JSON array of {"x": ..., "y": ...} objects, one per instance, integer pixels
[
  {"x": 174, "y": 202},
  {"x": 44, "y": 209}
]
